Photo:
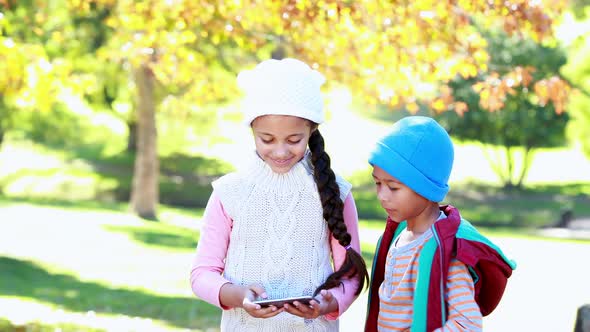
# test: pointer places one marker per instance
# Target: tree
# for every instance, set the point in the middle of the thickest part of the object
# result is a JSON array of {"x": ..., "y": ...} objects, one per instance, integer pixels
[
  {"x": 29, "y": 80},
  {"x": 422, "y": 45},
  {"x": 167, "y": 47},
  {"x": 43, "y": 50},
  {"x": 578, "y": 73},
  {"x": 398, "y": 53},
  {"x": 518, "y": 120},
  {"x": 386, "y": 52},
  {"x": 12, "y": 71},
  {"x": 108, "y": 88}
]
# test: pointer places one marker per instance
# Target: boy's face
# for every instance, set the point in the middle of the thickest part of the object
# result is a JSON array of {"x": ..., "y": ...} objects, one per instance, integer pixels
[
  {"x": 281, "y": 140},
  {"x": 399, "y": 201}
]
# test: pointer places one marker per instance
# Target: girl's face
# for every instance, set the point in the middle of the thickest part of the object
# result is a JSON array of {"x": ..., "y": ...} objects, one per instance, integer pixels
[
  {"x": 281, "y": 140},
  {"x": 400, "y": 202}
]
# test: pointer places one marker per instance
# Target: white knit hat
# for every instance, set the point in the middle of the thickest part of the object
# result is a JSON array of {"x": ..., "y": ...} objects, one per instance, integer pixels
[{"x": 282, "y": 87}]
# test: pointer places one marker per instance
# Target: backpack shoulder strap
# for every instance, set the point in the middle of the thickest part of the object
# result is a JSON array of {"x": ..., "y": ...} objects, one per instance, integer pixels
[
  {"x": 487, "y": 263},
  {"x": 378, "y": 273}
]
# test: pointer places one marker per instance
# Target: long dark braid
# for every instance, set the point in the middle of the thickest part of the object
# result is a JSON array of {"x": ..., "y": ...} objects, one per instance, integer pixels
[{"x": 354, "y": 265}]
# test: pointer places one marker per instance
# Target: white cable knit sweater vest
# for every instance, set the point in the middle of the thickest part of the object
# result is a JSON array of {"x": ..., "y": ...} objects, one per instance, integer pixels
[{"x": 279, "y": 240}]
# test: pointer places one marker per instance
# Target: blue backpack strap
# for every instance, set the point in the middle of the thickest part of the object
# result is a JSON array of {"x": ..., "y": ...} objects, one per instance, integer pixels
[
  {"x": 422, "y": 283},
  {"x": 398, "y": 230}
]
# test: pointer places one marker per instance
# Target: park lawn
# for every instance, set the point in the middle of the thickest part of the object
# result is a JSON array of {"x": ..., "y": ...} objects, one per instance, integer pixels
[
  {"x": 49, "y": 178},
  {"x": 81, "y": 267},
  {"x": 88, "y": 175},
  {"x": 85, "y": 269},
  {"x": 73, "y": 259}
]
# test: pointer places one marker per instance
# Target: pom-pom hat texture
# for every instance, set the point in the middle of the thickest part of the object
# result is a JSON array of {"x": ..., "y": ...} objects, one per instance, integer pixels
[{"x": 282, "y": 87}]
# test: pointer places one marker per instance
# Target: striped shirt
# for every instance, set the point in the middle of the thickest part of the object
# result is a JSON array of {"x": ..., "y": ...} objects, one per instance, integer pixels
[{"x": 396, "y": 293}]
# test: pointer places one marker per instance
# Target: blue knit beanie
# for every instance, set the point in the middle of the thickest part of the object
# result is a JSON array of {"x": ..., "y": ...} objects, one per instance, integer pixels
[{"x": 419, "y": 153}]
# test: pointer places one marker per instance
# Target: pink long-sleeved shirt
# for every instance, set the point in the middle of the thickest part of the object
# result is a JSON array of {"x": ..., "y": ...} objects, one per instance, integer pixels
[{"x": 209, "y": 262}]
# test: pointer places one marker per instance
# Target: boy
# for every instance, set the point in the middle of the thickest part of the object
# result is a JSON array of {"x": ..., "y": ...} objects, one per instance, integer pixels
[{"x": 432, "y": 269}]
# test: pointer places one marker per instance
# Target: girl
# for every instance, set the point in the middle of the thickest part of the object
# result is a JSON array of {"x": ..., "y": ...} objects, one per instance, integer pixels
[{"x": 282, "y": 224}]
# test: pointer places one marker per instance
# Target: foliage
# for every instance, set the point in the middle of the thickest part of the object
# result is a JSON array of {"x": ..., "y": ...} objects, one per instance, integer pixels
[
  {"x": 24, "y": 79},
  {"x": 97, "y": 173},
  {"x": 580, "y": 8},
  {"x": 33, "y": 62},
  {"x": 194, "y": 48},
  {"x": 353, "y": 43},
  {"x": 398, "y": 53},
  {"x": 491, "y": 205},
  {"x": 176, "y": 39},
  {"x": 578, "y": 72},
  {"x": 60, "y": 127},
  {"x": 518, "y": 120}
]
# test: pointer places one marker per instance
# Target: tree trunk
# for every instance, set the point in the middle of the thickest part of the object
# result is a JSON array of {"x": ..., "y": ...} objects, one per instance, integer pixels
[
  {"x": 1, "y": 136},
  {"x": 496, "y": 163},
  {"x": 526, "y": 164},
  {"x": 132, "y": 138},
  {"x": 509, "y": 167},
  {"x": 144, "y": 191}
]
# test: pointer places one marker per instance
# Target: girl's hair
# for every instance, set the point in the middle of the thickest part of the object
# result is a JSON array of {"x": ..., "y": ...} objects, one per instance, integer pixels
[{"x": 354, "y": 265}]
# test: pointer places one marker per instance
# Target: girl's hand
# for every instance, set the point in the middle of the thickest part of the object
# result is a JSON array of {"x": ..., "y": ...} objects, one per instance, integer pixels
[
  {"x": 317, "y": 307},
  {"x": 255, "y": 310}
]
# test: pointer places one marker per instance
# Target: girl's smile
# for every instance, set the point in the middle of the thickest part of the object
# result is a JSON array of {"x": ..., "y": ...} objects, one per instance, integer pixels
[
  {"x": 282, "y": 162},
  {"x": 281, "y": 140}
]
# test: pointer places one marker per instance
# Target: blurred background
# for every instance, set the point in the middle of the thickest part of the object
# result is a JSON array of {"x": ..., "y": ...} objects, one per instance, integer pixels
[{"x": 115, "y": 116}]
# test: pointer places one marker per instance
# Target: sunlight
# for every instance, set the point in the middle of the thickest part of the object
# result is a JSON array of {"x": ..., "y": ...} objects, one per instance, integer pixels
[
  {"x": 570, "y": 29},
  {"x": 22, "y": 311},
  {"x": 122, "y": 262},
  {"x": 78, "y": 105},
  {"x": 111, "y": 109},
  {"x": 16, "y": 158},
  {"x": 349, "y": 137},
  {"x": 239, "y": 143}
]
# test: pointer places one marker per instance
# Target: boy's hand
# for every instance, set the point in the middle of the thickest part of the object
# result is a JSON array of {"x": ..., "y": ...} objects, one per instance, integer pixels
[
  {"x": 255, "y": 310},
  {"x": 317, "y": 307}
]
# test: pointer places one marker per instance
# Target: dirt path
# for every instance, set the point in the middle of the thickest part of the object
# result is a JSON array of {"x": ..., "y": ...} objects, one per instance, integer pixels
[{"x": 540, "y": 295}]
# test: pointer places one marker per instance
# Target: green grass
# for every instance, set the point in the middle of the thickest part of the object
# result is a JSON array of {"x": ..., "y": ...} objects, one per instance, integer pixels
[
  {"x": 29, "y": 279},
  {"x": 87, "y": 172},
  {"x": 157, "y": 235},
  {"x": 100, "y": 173},
  {"x": 100, "y": 261},
  {"x": 8, "y": 326},
  {"x": 138, "y": 270},
  {"x": 493, "y": 207},
  {"x": 72, "y": 251}
]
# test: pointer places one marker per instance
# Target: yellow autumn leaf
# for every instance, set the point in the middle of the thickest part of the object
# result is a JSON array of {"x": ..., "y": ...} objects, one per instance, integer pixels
[
  {"x": 438, "y": 105},
  {"x": 412, "y": 107}
]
